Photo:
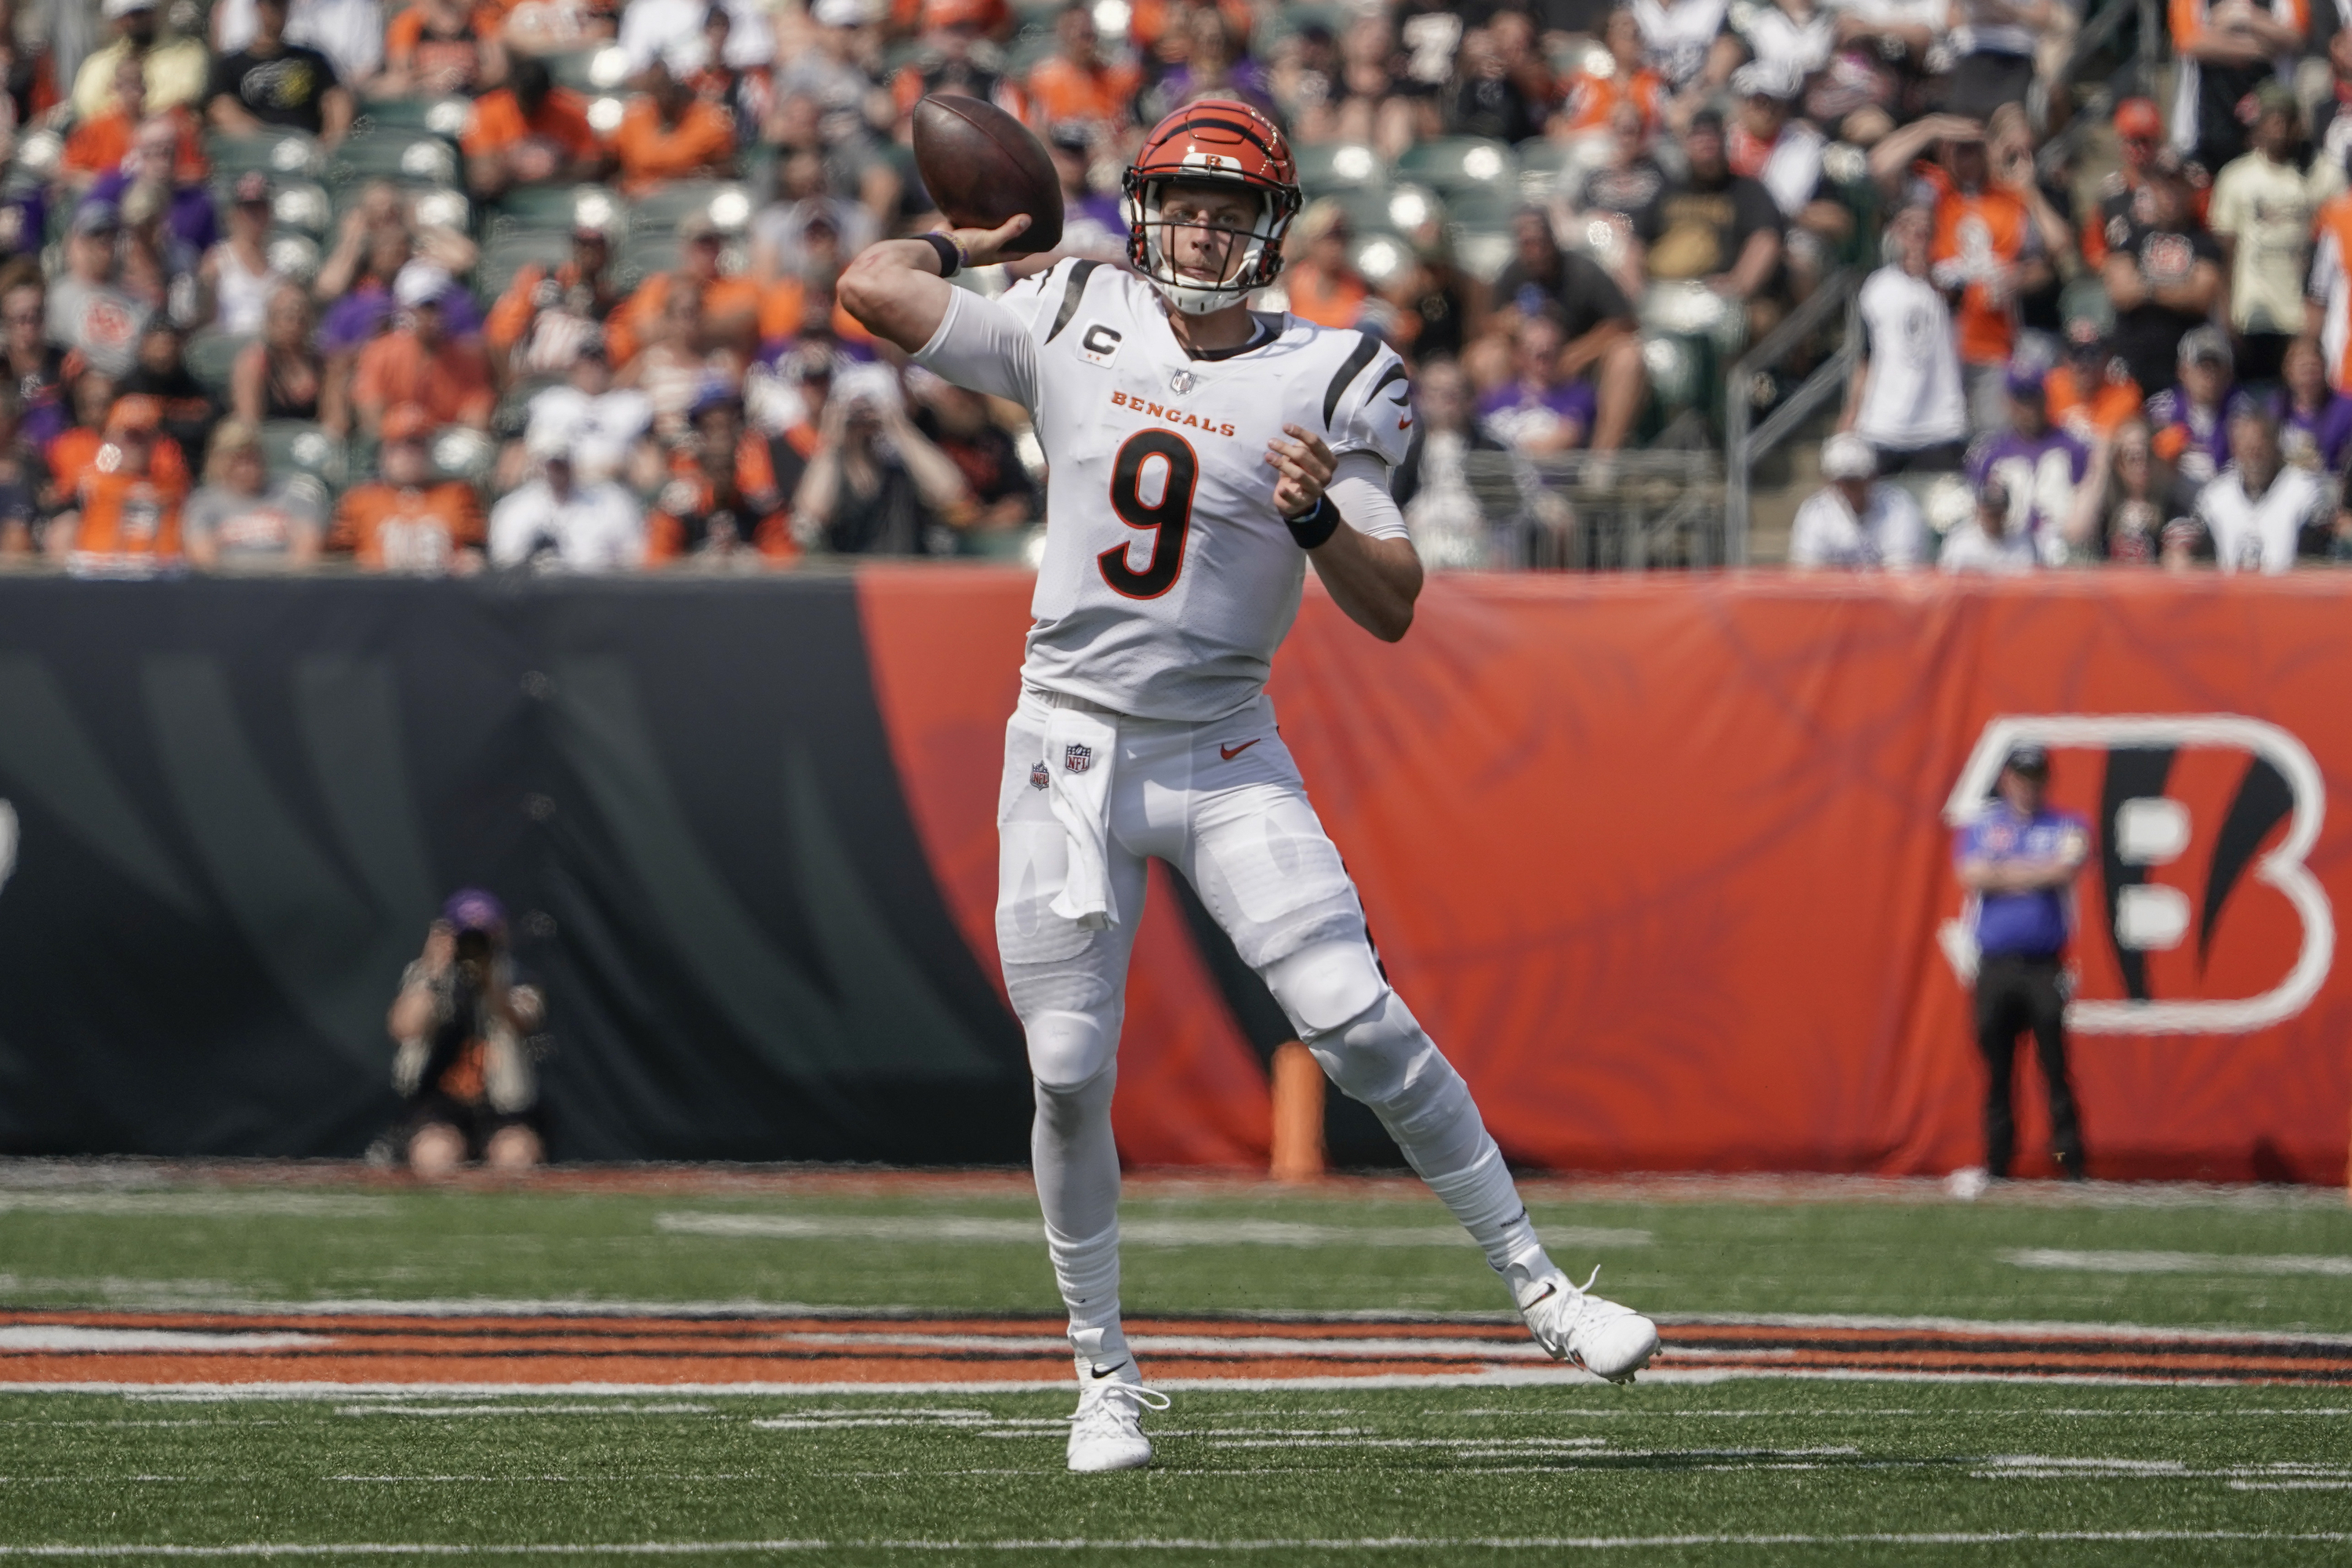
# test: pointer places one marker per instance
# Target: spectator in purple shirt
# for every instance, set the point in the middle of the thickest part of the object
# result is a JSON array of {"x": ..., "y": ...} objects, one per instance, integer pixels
[
  {"x": 2191, "y": 419},
  {"x": 1539, "y": 411},
  {"x": 153, "y": 163},
  {"x": 2039, "y": 466},
  {"x": 367, "y": 308},
  {"x": 2315, "y": 420}
]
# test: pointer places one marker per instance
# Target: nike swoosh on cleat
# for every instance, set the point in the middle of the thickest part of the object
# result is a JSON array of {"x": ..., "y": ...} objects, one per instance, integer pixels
[
  {"x": 1103, "y": 1372},
  {"x": 1230, "y": 752}
]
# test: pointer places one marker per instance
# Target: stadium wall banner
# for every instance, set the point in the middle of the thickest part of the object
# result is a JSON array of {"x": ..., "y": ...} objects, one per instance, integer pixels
[{"x": 1664, "y": 863}]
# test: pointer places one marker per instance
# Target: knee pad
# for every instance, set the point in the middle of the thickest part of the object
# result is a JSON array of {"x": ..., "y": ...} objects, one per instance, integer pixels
[
  {"x": 1068, "y": 1050},
  {"x": 1324, "y": 985}
]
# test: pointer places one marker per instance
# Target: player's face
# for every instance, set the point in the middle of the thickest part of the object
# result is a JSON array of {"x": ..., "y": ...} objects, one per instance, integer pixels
[{"x": 1206, "y": 231}]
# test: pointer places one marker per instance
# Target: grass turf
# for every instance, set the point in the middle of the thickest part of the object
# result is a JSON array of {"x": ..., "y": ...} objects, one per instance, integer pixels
[{"x": 1864, "y": 1472}]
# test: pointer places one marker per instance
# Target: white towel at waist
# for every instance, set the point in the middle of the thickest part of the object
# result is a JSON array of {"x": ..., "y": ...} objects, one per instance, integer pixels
[{"x": 1080, "y": 749}]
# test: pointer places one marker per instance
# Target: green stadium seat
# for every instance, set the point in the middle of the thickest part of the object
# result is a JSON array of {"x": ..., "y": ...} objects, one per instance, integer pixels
[
  {"x": 1381, "y": 257},
  {"x": 726, "y": 202},
  {"x": 1367, "y": 207},
  {"x": 280, "y": 154},
  {"x": 211, "y": 356},
  {"x": 1455, "y": 163},
  {"x": 642, "y": 254},
  {"x": 293, "y": 255},
  {"x": 600, "y": 69},
  {"x": 300, "y": 446},
  {"x": 460, "y": 452},
  {"x": 442, "y": 117},
  {"x": 511, "y": 252},
  {"x": 1483, "y": 252},
  {"x": 1329, "y": 167},
  {"x": 558, "y": 206},
  {"x": 1483, "y": 208},
  {"x": 401, "y": 157}
]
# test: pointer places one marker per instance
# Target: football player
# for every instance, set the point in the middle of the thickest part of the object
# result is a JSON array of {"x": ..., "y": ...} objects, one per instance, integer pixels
[{"x": 1202, "y": 454}]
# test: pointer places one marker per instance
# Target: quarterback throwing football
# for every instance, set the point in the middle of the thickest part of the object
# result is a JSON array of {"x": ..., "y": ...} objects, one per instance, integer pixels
[{"x": 1202, "y": 454}]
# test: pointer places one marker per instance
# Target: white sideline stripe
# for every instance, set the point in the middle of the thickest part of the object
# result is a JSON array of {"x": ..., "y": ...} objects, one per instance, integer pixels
[
  {"x": 199, "y": 1205},
  {"x": 24, "y": 1336},
  {"x": 1547, "y": 1376},
  {"x": 1133, "y": 1231},
  {"x": 1997, "y": 1326},
  {"x": 2085, "y": 1261},
  {"x": 1369, "y": 1543}
]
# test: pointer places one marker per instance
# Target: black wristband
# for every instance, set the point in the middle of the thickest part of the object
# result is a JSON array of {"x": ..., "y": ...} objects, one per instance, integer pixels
[
  {"x": 1312, "y": 528},
  {"x": 950, "y": 253}
]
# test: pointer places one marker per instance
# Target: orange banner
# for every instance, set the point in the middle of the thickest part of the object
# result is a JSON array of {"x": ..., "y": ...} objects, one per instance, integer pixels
[{"x": 1664, "y": 865}]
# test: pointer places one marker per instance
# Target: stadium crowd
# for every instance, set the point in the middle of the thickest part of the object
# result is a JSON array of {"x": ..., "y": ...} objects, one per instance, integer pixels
[{"x": 429, "y": 286}]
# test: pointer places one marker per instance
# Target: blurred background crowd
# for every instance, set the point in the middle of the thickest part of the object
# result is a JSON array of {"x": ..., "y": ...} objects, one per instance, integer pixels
[{"x": 432, "y": 286}]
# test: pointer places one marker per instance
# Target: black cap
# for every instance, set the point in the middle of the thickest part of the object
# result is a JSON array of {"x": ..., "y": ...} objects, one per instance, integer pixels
[{"x": 2030, "y": 759}]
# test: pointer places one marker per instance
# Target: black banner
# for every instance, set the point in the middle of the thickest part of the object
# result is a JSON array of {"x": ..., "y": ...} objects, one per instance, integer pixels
[{"x": 237, "y": 804}]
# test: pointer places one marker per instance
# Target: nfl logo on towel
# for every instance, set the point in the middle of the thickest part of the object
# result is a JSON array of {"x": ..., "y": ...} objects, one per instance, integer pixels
[
  {"x": 1039, "y": 778},
  {"x": 1078, "y": 759}
]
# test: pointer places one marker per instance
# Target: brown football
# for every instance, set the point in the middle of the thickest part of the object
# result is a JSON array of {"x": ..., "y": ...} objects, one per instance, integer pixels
[{"x": 982, "y": 166}]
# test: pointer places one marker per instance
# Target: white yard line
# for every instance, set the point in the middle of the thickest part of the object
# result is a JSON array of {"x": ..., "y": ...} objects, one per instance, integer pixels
[
  {"x": 20, "y": 1339},
  {"x": 215, "y": 1204},
  {"x": 2093, "y": 1261}
]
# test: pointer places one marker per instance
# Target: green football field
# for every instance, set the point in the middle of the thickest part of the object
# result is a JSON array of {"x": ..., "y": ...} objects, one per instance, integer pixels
[{"x": 250, "y": 1363}]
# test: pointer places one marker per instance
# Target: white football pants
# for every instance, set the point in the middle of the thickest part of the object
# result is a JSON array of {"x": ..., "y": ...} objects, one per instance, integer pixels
[{"x": 1225, "y": 805}]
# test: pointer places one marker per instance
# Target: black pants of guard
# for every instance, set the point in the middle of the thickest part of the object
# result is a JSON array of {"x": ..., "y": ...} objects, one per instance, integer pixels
[{"x": 2016, "y": 993}]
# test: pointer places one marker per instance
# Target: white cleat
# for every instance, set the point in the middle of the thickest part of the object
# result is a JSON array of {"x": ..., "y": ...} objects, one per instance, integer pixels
[
  {"x": 1107, "y": 1433},
  {"x": 1605, "y": 1339}
]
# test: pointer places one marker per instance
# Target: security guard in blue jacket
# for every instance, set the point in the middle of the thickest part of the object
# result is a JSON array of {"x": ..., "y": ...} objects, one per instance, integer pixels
[{"x": 2020, "y": 858}]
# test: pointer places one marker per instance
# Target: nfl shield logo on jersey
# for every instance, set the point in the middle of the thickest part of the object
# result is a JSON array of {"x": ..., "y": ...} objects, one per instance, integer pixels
[
  {"x": 1181, "y": 381},
  {"x": 1039, "y": 778},
  {"x": 1078, "y": 759}
]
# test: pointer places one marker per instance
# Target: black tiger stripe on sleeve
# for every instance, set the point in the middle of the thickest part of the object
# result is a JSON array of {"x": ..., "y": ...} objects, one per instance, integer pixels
[
  {"x": 1072, "y": 292},
  {"x": 1351, "y": 368}
]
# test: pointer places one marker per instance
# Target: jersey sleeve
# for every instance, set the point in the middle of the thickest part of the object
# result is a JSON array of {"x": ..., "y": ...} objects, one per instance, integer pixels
[
  {"x": 985, "y": 346},
  {"x": 1367, "y": 406}
]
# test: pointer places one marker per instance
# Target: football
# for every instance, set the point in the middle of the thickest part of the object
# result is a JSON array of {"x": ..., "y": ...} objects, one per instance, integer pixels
[{"x": 982, "y": 166}]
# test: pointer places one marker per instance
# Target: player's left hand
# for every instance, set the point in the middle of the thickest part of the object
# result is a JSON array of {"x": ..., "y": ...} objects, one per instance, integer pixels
[{"x": 1306, "y": 465}]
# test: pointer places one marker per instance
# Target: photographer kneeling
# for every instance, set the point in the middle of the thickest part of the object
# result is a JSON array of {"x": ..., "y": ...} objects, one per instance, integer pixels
[{"x": 462, "y": 1020}]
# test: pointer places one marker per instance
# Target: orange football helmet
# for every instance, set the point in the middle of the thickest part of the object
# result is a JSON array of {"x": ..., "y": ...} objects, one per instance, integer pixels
[{"x": 1213, "y": 142}]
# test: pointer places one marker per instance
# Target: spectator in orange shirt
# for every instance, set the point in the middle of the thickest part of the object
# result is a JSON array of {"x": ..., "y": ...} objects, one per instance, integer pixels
[
  {"x": 2090, "y": 394},
  {"x": 98, "y": 147},
  {"x": 1985, "y": 246},
  {"x": 126, "y": 518},
  {"x": 439, "y": 47},
  {"x": 721, "y": 499},
  {"x": 668, "y": 133},
  {"x": 730, "y": 306},
  {"x": 404, "y": 522},
  {"x": 1323, "y": 284},
  {"x": 1593, "y": 95},
  {"x": 1075, "y": 86},
  {"x": 529, "y": 132},
  {"x": 418, "y": 363},
  {"x": 539, "y": 324}
]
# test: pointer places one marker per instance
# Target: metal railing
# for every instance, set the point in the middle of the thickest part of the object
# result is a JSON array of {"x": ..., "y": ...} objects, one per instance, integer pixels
[
  {"x": 1636, "y": 510},
  {"x": 1743, "y": 445}
]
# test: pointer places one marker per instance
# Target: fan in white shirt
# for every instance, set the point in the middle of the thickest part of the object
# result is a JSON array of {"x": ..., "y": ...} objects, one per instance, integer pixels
[
  {"x": 556, "y": 522},
  {"x": 2256, "y": 509},
  {"x": 1905, "y": 398},
  {"x": 1854, "y": 521},
  {"x": 1986, "y": 542}
]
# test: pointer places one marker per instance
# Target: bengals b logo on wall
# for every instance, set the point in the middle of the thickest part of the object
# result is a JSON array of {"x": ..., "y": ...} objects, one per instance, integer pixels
[{"x": 2197, "y": 913}]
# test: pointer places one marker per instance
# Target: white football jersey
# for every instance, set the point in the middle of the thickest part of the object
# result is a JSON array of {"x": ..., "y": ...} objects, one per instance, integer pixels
[{"x": 1169, "y": 578}]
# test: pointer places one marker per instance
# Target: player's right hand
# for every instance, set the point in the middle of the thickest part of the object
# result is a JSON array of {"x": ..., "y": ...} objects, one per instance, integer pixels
[{"x": 985, "y": 247}]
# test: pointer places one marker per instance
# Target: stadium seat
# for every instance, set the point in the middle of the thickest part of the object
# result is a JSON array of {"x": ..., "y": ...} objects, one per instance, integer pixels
[
  {"x": 557, "y": 207},
  {"x": 1381, "y": 257},
  {"x": 280, "y": 154},
  {"x": 1326, "y": 168},
  {"x": 293, "y": 255},
  {"x": 600, "y": 69},
  {"x": 460, "y": 452},
  {"x": 442, "y": 117},
  {"x": 727, "y": 203},
  {"x": 510, "y": 252},
  {"x": 1483, "y": 252},
  {"x": 298, "y": 445},
  {"x": 1456, "y": 164},
  {"x": 401, "y": 157},
  {"x": 211, "y": 356}
]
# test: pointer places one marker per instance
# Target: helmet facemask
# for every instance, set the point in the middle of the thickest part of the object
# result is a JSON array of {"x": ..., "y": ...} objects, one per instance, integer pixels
[{"x": 1261, "y": 257}]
